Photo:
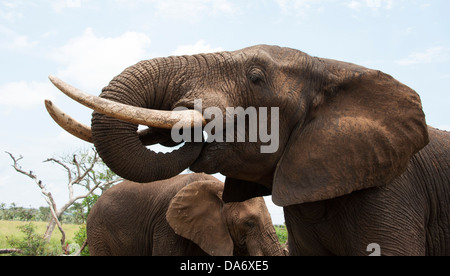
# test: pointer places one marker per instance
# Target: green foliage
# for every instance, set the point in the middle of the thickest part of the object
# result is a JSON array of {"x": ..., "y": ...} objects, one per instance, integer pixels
[
  {"x": 15, "y": 212},
  {"x": 11, "y": 228},
  {"x": 79, "y": 239},
  {"x": 281, "y": 233},
  {"x": 32, "y": 244},
  {"x": 76, "y": 214},
  {"x": 89, "y": 202}
]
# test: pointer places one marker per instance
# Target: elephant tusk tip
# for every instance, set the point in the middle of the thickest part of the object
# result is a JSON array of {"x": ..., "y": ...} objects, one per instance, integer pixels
[
  {"x": 68, "y": 123},
  {"x": 48, "y": 105},
  {"x": 53, "y": 79},
  {"x": 56, "y": 81}
]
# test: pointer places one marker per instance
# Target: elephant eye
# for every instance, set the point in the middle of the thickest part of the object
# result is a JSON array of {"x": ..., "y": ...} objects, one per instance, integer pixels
[
  {"x": 256, "y": 75},
  {"x": 250, "y": 223}
]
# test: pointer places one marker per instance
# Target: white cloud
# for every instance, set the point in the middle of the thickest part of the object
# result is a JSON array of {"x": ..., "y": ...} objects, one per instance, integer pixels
[
  {"x": 60, "y": 5},
  {"x": 289, "y": 4},
  {"x": 354, "y": 5},
  {"x": 224, "y": 6},
  {"x": 192, "y": 8},
  {"x": 425, "y": 6},
  {"x": 9, "y": 10},
  {"x": 24, "y": 94},
  {"x": 371, "y": 4},
  {"x": 200, "y": 47},
  {"x": 10, "y": 15},
  {"x": 430, "y": 55},
  {"x": 300, "y": 7},
  {"x": 186, "y": 9},
  {"x": 92, "y": 61},
  {"x": 49, "y": 34},
  {"x": 22, "y": 41},
  {"x": 15, "y": 41},
  {"x": 303, "y": 7}
]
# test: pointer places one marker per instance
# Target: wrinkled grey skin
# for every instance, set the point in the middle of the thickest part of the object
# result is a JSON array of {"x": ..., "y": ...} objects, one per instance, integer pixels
[
  {"x": 353, "y": 166},
  {"x": 166, "y": 218},
  {"x": 409, "y": 216}
]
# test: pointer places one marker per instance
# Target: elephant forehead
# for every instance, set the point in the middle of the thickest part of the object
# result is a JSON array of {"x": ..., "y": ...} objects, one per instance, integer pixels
[{"x": 251, "y": 208}]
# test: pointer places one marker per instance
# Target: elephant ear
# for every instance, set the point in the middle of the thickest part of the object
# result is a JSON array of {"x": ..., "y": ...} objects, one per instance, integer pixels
[
  {"x": 195, "y": 213},
  {"x": 361, "y": 133}
]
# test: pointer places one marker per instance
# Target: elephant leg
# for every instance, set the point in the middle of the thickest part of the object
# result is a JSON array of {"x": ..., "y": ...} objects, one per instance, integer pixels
[{"x": 302, "y": 239}]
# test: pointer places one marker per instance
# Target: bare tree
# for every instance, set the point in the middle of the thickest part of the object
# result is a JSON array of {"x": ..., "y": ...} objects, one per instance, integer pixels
[{"x": 81, "y": 171}]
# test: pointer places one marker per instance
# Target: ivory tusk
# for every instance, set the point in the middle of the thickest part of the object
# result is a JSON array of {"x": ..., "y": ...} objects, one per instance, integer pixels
[
  {"x": 68, "y": 123},
  {"x": 132, "y": 114},
  {"x": 76, "y": 128}
]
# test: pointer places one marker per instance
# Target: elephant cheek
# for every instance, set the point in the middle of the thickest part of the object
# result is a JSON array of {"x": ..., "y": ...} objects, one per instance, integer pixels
[{"x": 255, "y": 248}]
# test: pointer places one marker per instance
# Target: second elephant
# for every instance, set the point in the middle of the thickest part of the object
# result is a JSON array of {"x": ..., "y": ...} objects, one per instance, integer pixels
[{"x": 185, "y": 215}]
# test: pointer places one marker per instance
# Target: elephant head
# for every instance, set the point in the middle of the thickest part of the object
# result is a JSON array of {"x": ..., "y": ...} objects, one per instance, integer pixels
[
  {"x": 198, "y": 213},
  {"x": 341, "y": 127}
]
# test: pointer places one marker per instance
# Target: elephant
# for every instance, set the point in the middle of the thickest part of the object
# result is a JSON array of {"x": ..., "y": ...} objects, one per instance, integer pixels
[
  {"x": 356, "y": 165},
  {"x": 180, "y": 216}
]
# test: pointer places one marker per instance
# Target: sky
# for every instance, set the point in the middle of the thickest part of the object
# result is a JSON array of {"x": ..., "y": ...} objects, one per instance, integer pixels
[{"x": 87, "y": 43}]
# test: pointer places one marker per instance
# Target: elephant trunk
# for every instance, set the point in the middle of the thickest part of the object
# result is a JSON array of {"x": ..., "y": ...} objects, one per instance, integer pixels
[
  {"x": 117, "y": 142},
  {"x": 271, "y": 245},
  {"x": 265, "y": 243},
  {"x": 130, "y": 99}
]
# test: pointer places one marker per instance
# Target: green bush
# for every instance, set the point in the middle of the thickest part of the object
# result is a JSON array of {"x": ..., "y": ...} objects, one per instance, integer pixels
[
  {"x": 79, "y": 239},
  {"x": 31, "y": 244},
  {"x": 281, "y": 233}
]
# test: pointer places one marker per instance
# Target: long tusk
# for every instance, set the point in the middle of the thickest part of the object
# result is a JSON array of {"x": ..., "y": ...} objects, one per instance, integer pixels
[
  {"x": 81, "y": 130},
  {"x": 132, "y": 114},
  {"x": 68, "y": 123}
]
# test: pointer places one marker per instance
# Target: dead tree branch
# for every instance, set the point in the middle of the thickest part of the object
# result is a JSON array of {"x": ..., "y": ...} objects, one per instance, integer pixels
[
  {"x": 79, "y": 173},
  {"x": 10, "y": 250}
]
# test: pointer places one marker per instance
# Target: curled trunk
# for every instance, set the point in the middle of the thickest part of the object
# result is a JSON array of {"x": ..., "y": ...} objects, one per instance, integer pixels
[{"x": 118, "y": 142}]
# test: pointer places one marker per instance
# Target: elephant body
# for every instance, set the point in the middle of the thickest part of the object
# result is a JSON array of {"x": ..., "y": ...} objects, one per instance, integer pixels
[
  {"x": 410, "y": 216},
  {"x": 132, "y": 219},
  {"x": 352, "y": 168}
]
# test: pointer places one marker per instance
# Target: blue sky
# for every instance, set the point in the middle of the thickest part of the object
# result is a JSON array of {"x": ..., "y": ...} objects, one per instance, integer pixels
[{"x": 88, "y": 42}]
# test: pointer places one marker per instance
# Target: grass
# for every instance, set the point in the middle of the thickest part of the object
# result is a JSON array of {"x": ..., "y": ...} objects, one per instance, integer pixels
[
  {"x": 281, "y": 233},
  {"x": 9, "y": 229}
]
